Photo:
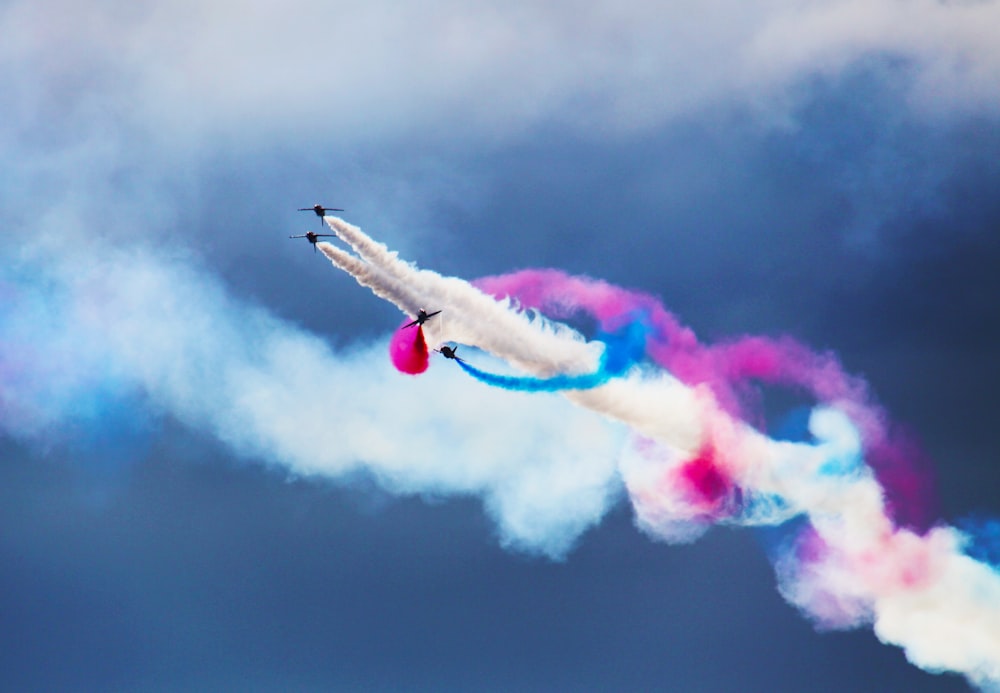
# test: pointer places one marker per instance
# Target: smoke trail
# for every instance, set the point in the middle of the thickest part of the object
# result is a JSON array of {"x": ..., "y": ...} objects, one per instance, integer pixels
[
  {"x": 851, "y": 564},
  {"x": 622, "y": 350},
  {"x": 723, "y": 367},
  {"x": 408, "y": 350},
  {"x": 728, "y": 369}
]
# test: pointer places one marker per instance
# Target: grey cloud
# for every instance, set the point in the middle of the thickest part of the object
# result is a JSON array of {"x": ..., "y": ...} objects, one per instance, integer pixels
[{"x": 366, "y": 72}]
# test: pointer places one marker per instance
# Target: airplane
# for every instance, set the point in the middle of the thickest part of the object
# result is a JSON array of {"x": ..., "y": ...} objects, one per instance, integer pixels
[
  {"x": 422, "y": 317},
  {"x": 320, "y": 210},
  {"x": 449, "y": 353},
  {"x": 311, "y": 237}
]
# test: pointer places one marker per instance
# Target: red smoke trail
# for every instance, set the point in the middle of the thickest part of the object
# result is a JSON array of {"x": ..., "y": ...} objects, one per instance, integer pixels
[{"x": 408, "y": 350}]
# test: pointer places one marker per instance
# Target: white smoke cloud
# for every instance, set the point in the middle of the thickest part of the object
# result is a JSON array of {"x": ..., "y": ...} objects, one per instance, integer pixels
[{"x": 159, "y": 328}]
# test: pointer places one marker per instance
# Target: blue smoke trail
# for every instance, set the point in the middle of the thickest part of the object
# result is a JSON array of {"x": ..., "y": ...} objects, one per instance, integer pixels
[{"x": 623, "y": 348}]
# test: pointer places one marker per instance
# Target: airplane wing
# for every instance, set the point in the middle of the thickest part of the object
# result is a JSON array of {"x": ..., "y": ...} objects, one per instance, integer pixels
[{"x": 409, "y": 324}]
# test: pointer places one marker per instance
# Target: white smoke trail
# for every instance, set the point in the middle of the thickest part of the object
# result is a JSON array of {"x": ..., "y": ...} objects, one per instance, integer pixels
[
  {"x": 652, "y": 405},
  {"x": 541, "y": 351},
  {"x": 921, "y": 593}
]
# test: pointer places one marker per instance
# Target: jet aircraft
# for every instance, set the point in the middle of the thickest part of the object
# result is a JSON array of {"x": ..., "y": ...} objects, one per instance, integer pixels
[
  {"x": 449, "y": 353},
  {"x": 312, "y": 236},
  {"x": 320, "y": 211},
  {"x": 422, "y": 317}
]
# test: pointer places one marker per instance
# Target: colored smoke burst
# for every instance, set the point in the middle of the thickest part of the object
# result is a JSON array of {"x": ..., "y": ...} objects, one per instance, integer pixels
[{"x": 408, "y": 350}]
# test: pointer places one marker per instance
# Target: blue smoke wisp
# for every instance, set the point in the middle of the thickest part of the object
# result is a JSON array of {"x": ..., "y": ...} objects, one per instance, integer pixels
[{"x": 622, "y": 349}]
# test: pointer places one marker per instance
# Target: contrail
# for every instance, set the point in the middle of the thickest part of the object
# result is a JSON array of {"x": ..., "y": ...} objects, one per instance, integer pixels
[{"x": 694, "y": 461}]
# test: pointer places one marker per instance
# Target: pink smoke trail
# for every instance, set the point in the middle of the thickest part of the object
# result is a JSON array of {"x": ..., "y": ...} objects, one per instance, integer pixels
[
  {"x": 728, "y": 369},
  {"x": 408, "y": 350}
]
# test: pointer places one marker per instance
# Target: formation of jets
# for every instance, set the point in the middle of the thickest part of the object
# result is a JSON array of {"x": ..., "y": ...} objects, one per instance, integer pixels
[
  {"x": 320, "y": 211},
  {"x": 422, "y": 315}
]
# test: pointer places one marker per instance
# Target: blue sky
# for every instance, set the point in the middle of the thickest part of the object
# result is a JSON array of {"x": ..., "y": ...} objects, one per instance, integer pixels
[{"x": 820, "y": 169}]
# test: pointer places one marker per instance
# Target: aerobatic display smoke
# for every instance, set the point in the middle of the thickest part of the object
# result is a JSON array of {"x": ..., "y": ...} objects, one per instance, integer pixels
[
  {"x": 408, "y": 350},
  {"x": 622, "y": 349},
  {"x": 863, "y": 547}
]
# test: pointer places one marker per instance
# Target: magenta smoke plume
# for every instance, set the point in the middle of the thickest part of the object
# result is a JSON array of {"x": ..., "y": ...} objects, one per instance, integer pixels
[{"x": 408, "y": 349}]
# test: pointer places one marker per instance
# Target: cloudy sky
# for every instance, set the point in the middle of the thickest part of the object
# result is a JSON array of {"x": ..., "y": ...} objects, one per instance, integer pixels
[{"x": 212, "y": 478}]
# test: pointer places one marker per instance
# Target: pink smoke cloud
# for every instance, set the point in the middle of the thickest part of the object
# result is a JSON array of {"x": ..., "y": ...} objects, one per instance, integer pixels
[{"x": 408, "y": 350}]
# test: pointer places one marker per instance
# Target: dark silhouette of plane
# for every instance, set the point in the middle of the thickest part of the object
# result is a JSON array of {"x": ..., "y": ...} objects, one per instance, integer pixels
[
  {"x": 311, "y": 237},
  {"x": 449, "y": 353},
  {"x": 422, "y": 317},
  {"x": 320, "y": 210}
]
